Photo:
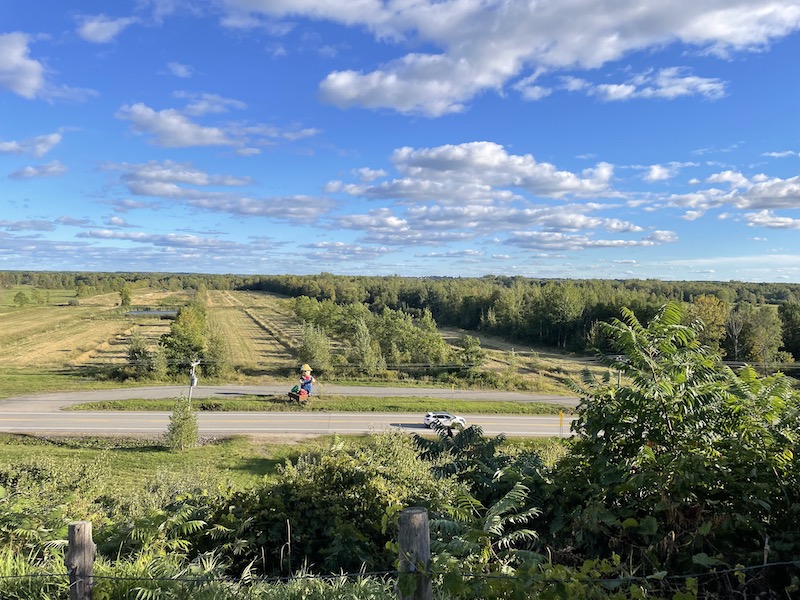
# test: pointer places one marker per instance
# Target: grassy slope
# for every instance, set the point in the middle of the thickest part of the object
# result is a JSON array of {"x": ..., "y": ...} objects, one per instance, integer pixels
[
  {"x": 129, "y": 464},
  {"x": 57, "y": 347}
]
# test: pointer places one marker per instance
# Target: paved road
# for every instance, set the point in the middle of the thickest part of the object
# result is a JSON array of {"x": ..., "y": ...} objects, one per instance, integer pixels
[
  {"x": 42, "y": 414},
  {"x": 227, "y": 423}
]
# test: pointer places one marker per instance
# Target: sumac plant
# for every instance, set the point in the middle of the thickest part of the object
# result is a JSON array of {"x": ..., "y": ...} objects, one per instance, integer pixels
[{"x": 679, "y": 463}]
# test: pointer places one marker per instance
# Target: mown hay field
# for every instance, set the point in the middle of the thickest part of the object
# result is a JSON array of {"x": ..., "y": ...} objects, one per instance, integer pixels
[
  {"x": 59, "y": 335},
  {"x": 260, "y": 330},
  {"x": 88, "y": 339}
]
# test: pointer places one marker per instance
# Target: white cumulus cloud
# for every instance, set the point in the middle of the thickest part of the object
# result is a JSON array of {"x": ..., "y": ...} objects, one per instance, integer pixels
[
  {"x": 100, "y": 29},
  {"x": 172, "y": 129},
  {"x": 483, "y": 46},
  {"x": 18, "y": 71}
]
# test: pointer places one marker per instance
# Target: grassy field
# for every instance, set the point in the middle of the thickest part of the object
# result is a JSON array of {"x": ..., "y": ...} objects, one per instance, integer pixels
[
  {"x": 48, "y": 297},
  {"x": 261, "y": 331},
  {"x": 123, "y": 466},
  {"x": 67, "y": 344}
]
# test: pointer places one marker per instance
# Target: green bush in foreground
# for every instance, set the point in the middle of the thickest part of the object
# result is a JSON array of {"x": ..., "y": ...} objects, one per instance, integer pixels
[
  {"x": 688, "y": 467},
  {"x": 326, "y": 510}
]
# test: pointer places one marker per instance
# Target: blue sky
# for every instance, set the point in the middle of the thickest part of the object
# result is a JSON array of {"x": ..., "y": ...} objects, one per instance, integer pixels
[{"x": 558, "y": 138}]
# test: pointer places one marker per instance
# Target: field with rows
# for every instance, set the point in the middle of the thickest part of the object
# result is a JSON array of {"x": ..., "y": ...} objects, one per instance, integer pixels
[
  {"x": 60, "y": 345},
  {"x": 67, "y": 343},
  {"x": 260, "y": 329}
]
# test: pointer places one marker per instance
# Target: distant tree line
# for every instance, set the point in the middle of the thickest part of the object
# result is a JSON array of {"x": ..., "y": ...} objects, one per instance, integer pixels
[{"x": 755, "y": 322}]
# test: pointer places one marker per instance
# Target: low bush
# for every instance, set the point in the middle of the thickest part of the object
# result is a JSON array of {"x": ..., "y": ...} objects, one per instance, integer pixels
[
  {"x": 183, "y": 431},
  {"x": 326, "y": 509}
]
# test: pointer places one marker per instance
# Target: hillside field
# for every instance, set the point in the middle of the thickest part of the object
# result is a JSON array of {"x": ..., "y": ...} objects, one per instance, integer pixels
[{"x": 65, "y": 343}]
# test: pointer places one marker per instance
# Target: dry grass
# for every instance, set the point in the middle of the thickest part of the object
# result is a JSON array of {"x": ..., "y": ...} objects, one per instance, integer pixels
[
  {"x": 543, "y": 368},
  {"x": 261, "y": 330},
  {"x": 95, "y": 333},
  {"x": 55, "y": 335}
]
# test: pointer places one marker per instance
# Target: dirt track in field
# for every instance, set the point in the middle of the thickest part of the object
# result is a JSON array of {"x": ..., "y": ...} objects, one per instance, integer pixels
[{"x": 260, "y": 329}]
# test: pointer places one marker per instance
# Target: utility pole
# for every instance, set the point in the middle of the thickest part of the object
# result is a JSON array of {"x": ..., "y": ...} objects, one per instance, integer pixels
[{"x": 192, "y": 377}]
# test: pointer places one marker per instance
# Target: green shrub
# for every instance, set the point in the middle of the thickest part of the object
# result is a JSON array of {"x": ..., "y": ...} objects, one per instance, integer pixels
[
  {"x": 183, "y": 431},
  {"x": 687, "y": 464},
  {"x": 334, "y": 503}
]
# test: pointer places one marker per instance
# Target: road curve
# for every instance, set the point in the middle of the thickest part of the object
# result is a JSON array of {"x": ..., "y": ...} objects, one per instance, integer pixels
[{"x": 42, "y": 413}]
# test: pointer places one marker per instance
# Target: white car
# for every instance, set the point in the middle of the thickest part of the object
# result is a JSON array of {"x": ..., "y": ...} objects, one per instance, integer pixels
[{"x": 445, "y": 419}]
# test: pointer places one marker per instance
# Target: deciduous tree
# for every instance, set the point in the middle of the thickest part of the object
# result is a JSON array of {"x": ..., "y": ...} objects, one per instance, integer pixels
[
  {"x": 315, "y": 350},
  {"x": 365, "y": 355},
  {"x": 733, "y": 328},
  {"x": 789, "y": 313},
  {"x": 21, "y": 299},
  {"x": 763, "y": 336},
  {"x": 713, "y": 313}
]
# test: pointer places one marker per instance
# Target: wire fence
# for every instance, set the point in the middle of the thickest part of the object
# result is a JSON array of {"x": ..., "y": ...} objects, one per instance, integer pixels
[{"x": 355, "y": 575}]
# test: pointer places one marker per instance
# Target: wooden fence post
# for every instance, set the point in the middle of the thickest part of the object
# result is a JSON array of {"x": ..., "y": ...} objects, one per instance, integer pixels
[
  {"x": 414, "y": 539},
  {"x": 80, "y": 560}
]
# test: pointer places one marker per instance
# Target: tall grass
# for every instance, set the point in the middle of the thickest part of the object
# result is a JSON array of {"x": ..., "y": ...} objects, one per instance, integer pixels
[
  {"x": 22, "y": 578},
  {"x": 167, "y": 578}
]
